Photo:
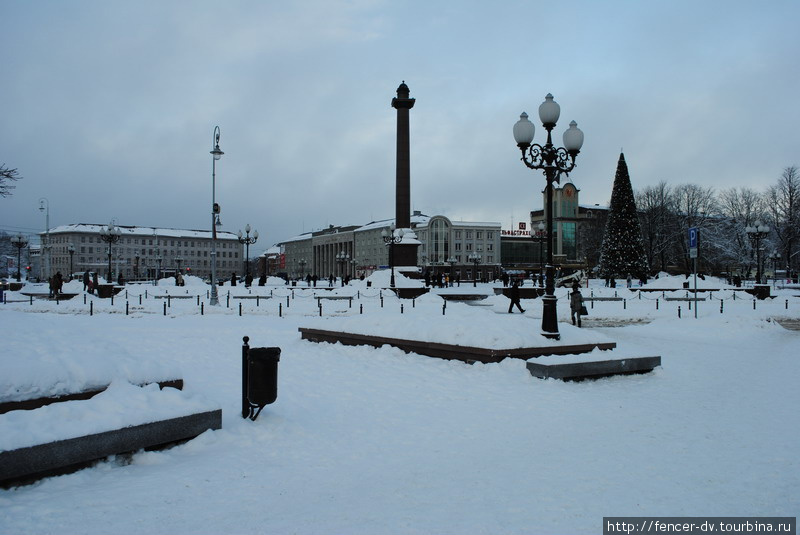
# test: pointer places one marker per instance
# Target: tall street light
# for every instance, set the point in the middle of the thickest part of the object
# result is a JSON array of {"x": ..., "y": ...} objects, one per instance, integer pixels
[
  {"x": 553, "y": 161},
  {"x": 302, "y": 263},
  {"x": 71, "y": 251},
  {"x": 110, "y": 235},
  {"x": 452, "y": 261},
  {"x": 44, "y": 206},
  {"x": 757, "y": 233},
  {"x": 475, "y": 258},
  {"x": 390, "y": 238},
  {"x": 247, "y": 240},
  {"x": 19, "y": 241},
  {"x": 217, "y": 154}
]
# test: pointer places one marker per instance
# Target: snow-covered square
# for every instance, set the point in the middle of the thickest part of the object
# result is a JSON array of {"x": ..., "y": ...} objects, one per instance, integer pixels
[{"x": 365, "y": 440}]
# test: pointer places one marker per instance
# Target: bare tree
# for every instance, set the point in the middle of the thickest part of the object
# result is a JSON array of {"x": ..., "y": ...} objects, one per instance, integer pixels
[
  {"x": 783, "y": 210},
  {"x": 6, "y": 177},
  {"x": 740, "y": 208},
  {"x": 695, "y": 206},
  {"x": 657, "y": 217}
]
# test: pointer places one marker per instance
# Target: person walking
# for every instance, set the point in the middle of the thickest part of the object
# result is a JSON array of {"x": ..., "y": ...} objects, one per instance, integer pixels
[
  {"x": 575, "y": 303},
  {"x": 95, "y": 283},
  {"x": 86, "y": 280},
  {"x": 514, "y": 295}
]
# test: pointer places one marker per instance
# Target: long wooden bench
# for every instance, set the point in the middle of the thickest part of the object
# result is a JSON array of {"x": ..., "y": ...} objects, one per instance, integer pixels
[
  {"x": 29, "y": 463},
  {"x": 41, "y": 401},
  {"x": 592, "y": 368},
  {"x": 449, "y": 351}
]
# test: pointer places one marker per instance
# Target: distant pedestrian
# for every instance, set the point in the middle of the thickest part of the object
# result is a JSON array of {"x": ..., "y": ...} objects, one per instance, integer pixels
[
  {"x": 576, "y": 303},
  {"x": 233, "y": 279},
  {"x": 628, "y": 281},
  {"x": 513, "y": 293},
  {"x": 262, "y": 280},
  {"x": 86, "y": 280},
  {"x": 95, "y": 283},
  {"x": 120, "y": 279}
]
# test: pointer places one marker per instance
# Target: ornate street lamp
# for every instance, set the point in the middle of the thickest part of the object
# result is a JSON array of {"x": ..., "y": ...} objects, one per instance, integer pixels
[
  {"x": 776, "y": 258},
  {"x": 110, "y": 235},
  {"x": 553, "y": 161},
  {"x": 757, "y": 233},
  {"x": 71, "y": 251},
  {"x": 217, "y": 154},
  {"x": 19, "y": 241},
  {"x": 475, "y": 258},
  {"x": 178, "y": 262},
  {"x": 390, "y": 238},
  {"x": 247, "y": 240},
  {"x": 342, "y": 258}
]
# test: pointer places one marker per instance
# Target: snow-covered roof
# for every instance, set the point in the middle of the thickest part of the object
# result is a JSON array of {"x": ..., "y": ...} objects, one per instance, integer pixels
[{"x": 143, "y": 231}]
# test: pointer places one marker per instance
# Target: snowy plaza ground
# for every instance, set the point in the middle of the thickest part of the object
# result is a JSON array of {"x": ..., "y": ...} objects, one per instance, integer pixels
[{"x": 374, "y": 441}]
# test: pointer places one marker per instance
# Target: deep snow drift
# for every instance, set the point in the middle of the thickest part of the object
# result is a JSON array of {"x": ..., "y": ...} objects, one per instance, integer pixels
[{"x": 365, "y": 440}]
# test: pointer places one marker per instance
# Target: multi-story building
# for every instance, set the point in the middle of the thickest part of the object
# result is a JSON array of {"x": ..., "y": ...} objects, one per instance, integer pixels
[
  {"x": 141, "y": 252},
  {"x": 444, "y": 245}
]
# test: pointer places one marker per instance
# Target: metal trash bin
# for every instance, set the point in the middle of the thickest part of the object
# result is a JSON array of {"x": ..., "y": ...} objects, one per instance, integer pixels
[{"x": 259, "y": 378}]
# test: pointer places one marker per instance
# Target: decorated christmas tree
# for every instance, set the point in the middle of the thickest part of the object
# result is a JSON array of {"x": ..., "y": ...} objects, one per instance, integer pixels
[{"x": 622, "y": 252}]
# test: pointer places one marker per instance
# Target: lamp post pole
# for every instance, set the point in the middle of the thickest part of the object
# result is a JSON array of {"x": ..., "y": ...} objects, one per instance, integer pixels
[
  {"x": 452, "y": 262},
  {"x": 390, "y": 238},
  {"x": 553, "y": 161},
  {"x": 475, "y": 258},
  {"x": 302, "y": 263},
  {"x": 247, "y": 240},
  {"x": 44, "y": 206},
  {"x": 71, "y": 251},
  {"x": 540, "y": 238},
  {"x": 757, "y": 233},
  {"x": 217, "y": 154},
  {"x": 178, "y": 262},
  {"x": 110, "y": 235},
  {"x": 19, "y": 241},
  {"x": 342, "y": 259}
]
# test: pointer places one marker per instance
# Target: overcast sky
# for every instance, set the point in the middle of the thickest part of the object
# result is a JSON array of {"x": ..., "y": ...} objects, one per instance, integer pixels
[{"x": 108, "y": 107}]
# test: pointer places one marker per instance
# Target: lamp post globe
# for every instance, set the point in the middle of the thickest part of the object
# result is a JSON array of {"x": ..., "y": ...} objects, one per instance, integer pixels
[
  {"x": 757, "y": 233},
  {"x": 111, "y": 235},
  {"x": 247, "y": 240},
  {"x": 553, "y": 162},
  {"x": 71, "y": 251}
]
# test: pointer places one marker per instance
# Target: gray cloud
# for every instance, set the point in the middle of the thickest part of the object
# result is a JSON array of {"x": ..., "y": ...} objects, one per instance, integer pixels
[{"x": 109, "y": 107}]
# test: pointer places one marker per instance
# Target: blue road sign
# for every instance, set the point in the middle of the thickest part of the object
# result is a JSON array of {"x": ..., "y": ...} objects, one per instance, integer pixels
[{"x": 693, "y": 233}]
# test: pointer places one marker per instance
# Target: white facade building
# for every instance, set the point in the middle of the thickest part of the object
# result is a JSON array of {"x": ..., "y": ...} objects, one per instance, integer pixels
[{"x": 142, "y": 251}]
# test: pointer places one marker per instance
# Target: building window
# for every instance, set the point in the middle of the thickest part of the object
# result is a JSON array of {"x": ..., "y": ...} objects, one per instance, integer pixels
[
  {"x": 490, "y": 235},
  {"x": 478, "y": 234},
  {"x": 458, "y": 234},
  {"x": 469, "y": 234},
  {"x": 469, "y": 246},
  {"x": 490, "y": 247},
  {"x": 457, "y": 246},
  {"x": 490, "y": 259}
]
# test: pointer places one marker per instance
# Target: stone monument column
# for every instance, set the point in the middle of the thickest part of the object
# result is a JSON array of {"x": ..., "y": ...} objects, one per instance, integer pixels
[{"x": 405, "y": 254}]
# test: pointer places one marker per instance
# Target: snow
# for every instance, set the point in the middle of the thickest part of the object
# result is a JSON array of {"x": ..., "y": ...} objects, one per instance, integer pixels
[
  {"x": 120, "y": 405},
  {"x": 365, "y": 440}
]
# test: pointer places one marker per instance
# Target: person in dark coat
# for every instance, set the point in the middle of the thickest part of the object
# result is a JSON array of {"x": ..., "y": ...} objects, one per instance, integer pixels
[
  {"x": 575, "y": 303},
  {"x": 86, "y": 280},
  {"x": 262, "y": 280},
  {"x": 233, "y": 279},
  {"x": 95, "y": 283},
  {"x": 514, "y": 295},
  {"x": 121, "y": 280}
]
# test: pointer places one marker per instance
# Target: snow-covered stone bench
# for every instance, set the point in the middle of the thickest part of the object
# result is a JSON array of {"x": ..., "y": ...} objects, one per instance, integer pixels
[
  {"x": 591, "y": 366},
  {"x": 61, "y": 437}
]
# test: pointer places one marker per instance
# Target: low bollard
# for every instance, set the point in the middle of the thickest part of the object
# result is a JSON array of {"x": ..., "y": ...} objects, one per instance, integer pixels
[
  {"x": 401, "y": 308},
  {"x": 169, "y": 301},
  {"x": 91, "y": 308},
  {"x": 679, "y": 312},
  {"x": 280, "y": 310},
  {"x": 624, "y": 304},
  {"x": 361, "y": 308},
  {"x": 754, "y": 303},
  {"x": 165, "y": 309},
  {"x": 656, "y": 303},
  {"x": 257, "y": 300},
  {"x": 140, "y": 299},
  {"x": 228, "y": 301},
  {"x": 350, "y": 303},
  {"x": 201, "y": 308},
  {"x": 240, "y": 309},
  {"x": 414, "y": 303},
  {"x": 287, "y": 301},
  {"x": 381, "y": 301},
  {"x": 721, "y": 304},
  {"x": 84, "y": 299},
  {"x": 787, "y": 304}
]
